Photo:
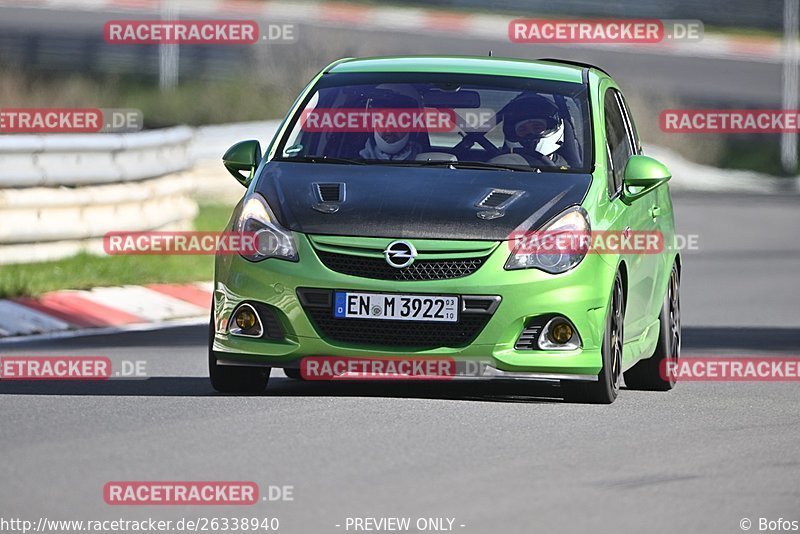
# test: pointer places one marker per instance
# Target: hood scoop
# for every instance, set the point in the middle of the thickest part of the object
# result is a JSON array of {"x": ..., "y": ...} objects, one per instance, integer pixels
[
  {"x": 329, "y": 196},
  {"x": 495, "y": 203}
]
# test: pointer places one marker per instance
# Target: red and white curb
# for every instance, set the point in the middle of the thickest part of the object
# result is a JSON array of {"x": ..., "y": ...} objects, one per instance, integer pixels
[
  {"x": 414, "y": 21},
  {"x": 104, "y": 308}
]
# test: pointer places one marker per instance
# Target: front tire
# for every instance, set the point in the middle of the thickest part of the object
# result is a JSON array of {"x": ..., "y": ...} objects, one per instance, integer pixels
[
  {"x": 656, "y": 372},
  {"x": 233, "y": 379},
  {"x": 606, "y": 389}
]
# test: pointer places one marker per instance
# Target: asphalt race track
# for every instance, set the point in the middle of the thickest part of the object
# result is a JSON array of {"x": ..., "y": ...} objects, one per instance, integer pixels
[{"x": 497, "y": 456}]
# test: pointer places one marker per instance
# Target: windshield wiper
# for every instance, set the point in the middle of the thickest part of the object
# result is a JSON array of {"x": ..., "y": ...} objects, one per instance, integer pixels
[
  {"x": 435, "y": 163},
  {"x": 478, "y": 165},
  {"x": 324, "y": 159}
]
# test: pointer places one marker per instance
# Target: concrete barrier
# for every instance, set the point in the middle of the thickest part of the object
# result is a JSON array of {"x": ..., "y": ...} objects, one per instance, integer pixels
[{"x": 60, "y": 193}]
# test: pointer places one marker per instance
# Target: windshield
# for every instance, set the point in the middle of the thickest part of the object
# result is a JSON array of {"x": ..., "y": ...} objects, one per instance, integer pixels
[{"x": 443, "y": 119}]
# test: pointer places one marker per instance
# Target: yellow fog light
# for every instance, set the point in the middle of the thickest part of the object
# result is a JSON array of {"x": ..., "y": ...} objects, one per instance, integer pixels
[
  {"x": 245, "y": 322},
  {"x": 561, "y": 332},
  {"x": 246, "y": 318}
]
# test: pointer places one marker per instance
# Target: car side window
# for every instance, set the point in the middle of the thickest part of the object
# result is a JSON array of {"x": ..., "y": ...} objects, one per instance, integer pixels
[
  {"x": 634, "y": 135},
  {"x": 619, "y": 141},
  {"x": 612, "y": 188}
]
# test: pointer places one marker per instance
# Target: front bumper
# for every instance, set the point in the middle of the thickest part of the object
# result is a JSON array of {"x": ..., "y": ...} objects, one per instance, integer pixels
[{"x": 580, "y": 294}]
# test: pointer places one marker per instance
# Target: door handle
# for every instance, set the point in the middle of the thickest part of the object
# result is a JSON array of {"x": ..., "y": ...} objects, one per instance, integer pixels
[{"x": 655, "y": 211}]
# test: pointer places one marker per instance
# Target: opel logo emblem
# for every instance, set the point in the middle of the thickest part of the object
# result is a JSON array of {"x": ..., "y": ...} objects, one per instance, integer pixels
[{"x": 400, "y": 254}]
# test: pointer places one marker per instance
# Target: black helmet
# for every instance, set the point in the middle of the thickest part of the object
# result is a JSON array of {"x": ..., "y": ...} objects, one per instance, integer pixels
[{"x": 541, "y": 118}]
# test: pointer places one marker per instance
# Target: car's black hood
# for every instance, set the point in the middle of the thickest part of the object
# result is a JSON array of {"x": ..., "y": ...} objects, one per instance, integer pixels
[{"x": 415, "y": 202}]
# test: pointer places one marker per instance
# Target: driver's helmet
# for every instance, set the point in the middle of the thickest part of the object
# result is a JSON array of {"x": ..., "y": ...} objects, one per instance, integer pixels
[
  {"x": 534, "y": 123},
  {"x": 393, "y": 96}
]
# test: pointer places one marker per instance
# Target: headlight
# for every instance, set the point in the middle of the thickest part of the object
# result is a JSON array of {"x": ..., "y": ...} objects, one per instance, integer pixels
[
  {"x": 271, "y": 239},
  {"x": 558, "y": 247}
]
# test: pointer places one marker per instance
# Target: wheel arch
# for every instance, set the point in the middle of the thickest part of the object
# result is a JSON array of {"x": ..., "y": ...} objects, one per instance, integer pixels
[{"x": 623, "y": 271}]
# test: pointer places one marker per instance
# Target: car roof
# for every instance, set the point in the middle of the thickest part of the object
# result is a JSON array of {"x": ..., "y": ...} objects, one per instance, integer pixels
[{"x": 496, "y": 66}]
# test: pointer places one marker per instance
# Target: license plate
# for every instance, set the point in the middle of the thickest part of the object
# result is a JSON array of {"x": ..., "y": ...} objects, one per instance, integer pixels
[{"x": 350, "y": 305}]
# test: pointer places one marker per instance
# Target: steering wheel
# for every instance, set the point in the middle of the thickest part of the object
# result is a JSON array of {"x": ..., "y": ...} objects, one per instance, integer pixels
[
  {"x": 462, "y": 147},
  {"x": 537, "y": 159}
]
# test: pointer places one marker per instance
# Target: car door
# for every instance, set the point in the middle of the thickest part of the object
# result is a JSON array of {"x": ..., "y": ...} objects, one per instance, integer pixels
[
  {"x": 621, "y": 145},
  {"x": 656, "y": 209}
]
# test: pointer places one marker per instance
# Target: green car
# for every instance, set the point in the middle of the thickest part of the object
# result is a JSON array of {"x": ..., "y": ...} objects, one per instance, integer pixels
[{"x": 403, "y": 210}]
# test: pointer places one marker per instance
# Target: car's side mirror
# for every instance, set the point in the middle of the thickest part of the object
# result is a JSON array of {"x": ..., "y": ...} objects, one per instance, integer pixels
[
  {"x": 642, "y": 175},
  {"x": 243, "y": 157}
]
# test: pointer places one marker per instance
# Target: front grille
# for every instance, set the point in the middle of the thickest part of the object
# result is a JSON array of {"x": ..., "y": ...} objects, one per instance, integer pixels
[
  {"x": 378, "y": 332},
  {"x": 317, "y": 303},
  {"x": 377, "y": 268}
]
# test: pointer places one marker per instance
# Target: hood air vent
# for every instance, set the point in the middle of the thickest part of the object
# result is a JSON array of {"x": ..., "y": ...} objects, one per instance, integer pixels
[
  {"x": 330, "y": 192},
  {"x": 499, "y": 199},
  {"x": 495, "y": 202},
  {"x": 330, "y": 195}
]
